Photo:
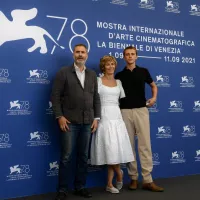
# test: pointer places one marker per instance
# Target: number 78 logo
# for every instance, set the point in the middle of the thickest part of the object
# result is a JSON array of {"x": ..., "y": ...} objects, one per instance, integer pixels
[{"x": 72, "y": 29}]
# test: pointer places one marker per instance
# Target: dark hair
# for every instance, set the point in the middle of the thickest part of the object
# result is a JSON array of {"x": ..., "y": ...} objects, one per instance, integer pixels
[
  {"x": 130, "y": 47},
  {"x": 80, "y": 45},
  {"x": 106, "y": 59}
]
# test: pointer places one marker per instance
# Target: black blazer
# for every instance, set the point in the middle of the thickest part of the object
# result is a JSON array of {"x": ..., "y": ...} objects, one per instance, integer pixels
[{"x": 69, "y": 99}]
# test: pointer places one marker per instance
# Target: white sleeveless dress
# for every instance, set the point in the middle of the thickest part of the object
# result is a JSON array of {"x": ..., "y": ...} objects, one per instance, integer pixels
[{"x": 110, "y": 143}]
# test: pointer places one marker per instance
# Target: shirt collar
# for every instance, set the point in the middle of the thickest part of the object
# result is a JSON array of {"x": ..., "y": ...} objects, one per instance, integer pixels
[
  {"x": 77, "y": 68},
  {"x": 125, "y": 69}
]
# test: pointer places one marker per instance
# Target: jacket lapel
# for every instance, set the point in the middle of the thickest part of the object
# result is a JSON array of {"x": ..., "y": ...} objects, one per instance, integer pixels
[
  {"x": 86, "y": 82},
  {"x": 74, "y": 72}
]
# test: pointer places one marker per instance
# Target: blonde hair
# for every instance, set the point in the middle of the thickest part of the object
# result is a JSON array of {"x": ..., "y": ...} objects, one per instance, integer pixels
[{"x": 104, "y": 60}]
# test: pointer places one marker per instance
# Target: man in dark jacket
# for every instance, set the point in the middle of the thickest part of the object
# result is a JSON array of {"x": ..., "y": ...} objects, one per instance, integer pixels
[{"x": 76, "y": 105}]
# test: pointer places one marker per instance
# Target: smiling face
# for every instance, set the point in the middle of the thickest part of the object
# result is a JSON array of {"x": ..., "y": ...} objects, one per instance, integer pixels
[
  {"x": 108, "y": 65},
  {"x": 109, "y": 68},
  {"x": 80, "y": 55}
]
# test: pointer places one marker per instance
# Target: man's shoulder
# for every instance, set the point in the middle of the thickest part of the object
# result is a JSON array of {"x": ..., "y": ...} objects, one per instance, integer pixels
[
  {"x": 119, "y": 73},
  {"x": 63, "y": 70},
  {"x": 66, "y": 68},
  {"x": 91, "y": 71}
]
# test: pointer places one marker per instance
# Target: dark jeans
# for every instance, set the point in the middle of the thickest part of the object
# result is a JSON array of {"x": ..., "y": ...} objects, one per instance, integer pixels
[{"x": 77, "y": 137}]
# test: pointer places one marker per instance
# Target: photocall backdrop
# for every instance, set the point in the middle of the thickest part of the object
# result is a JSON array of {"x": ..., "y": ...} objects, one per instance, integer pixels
[{"x": 36, "y": 40}]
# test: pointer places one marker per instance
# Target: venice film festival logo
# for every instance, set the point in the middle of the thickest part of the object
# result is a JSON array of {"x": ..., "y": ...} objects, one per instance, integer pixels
[
  {"x": 176, "y": 106},
  {"x": 19, "y": 172},
  {"x": 177, "y": 157},
  {"x": 187, "y": 81},
  {"x": 53, "y": 169},
  {"x": 4, "y": 76},
  {"x": 155, "y": 158},
  {"x": 5, "y": 141},
  {"x": 164, "y": 132},
  {"x": 189, "y": 131},
  {"x": 38, "y": 139},
  {"x": 197, "y": 157},
  {"x": 196, "y": 107},
  {"x": 119, "y": 2},
  {"x": 18, "y": 107},
  {"x": 49, "y": 110},
  {"x": 38, "y": 76},
  {"x": 195, "y": 10},
  {"x": 162, "y": 81},
  {"x": 147, "y": 4},
  {"x": 172, "y": 6},
  {"x": 153, "y": 108},
  {"x": 18, "y": 30}
]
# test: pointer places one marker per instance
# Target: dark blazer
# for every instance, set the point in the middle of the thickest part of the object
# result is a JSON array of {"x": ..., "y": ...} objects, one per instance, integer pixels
[{"x": 71, "y": 100}]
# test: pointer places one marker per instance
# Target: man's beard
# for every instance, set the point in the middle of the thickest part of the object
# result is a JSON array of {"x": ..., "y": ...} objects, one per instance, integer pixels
[{"x": 80, "y": 63}]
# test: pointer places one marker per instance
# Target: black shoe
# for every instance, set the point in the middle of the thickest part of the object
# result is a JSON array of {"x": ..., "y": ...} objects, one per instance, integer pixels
[
  {"x": 61, "y": 196},
  {"x": 83, "y": 192}
]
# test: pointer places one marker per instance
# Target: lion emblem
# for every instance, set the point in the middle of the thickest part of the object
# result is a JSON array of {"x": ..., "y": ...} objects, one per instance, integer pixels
[{"x": 18, "y": 30}]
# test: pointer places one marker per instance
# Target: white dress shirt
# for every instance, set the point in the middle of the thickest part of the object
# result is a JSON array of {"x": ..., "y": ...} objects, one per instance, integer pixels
[{"x": 80, "y": 75}]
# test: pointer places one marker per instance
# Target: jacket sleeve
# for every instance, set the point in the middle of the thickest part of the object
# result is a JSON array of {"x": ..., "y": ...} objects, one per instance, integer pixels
[
  {"x": 96, "y": 100},
  {"x": 58, "y": 93}
]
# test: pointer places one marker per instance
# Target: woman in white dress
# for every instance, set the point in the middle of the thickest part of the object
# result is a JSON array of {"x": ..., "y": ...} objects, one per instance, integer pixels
[{"x": 110, "y": 144}]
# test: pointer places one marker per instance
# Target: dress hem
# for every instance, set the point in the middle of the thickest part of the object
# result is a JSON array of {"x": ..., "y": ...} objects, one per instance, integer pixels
[{"x": 113, "y": 163}]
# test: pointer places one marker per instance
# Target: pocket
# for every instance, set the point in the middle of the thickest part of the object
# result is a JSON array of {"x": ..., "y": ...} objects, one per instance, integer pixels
[{"x": 144, "y": 111}]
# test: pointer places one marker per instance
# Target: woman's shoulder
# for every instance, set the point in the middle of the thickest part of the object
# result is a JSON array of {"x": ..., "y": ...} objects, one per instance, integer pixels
[
  {"x": 118, "y": 81},
  {"x": 99, "y": 79}
]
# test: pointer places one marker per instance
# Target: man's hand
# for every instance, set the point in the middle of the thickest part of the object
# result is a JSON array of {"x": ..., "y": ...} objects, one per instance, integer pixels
[
  {"x": 62, "y": 121},
  {"x": 94, "y": 125},
  {"x": 150, "y": 102}
]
